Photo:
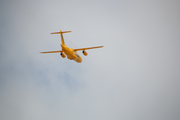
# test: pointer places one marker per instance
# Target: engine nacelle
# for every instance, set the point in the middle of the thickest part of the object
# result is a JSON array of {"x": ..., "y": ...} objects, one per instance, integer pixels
[
  {"x": 84, "y": 52},
  {"x": 62, "y": 55}
]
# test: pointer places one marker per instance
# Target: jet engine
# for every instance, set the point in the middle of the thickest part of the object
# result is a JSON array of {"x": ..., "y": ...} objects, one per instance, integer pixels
[
  {"x": 84, "y": 52},
  {"x": 62, "y": 55}
]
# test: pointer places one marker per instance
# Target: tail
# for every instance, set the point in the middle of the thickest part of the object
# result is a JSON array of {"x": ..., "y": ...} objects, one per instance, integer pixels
[{"x": 61, "y": 34}]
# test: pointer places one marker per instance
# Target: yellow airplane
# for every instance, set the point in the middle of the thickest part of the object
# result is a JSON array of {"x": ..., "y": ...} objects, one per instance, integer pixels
[{"x": 70, "y": 52}]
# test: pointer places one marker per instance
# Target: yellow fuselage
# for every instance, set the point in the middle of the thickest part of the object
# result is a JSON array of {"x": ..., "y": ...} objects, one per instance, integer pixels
[{"x": 71, "y": 54}]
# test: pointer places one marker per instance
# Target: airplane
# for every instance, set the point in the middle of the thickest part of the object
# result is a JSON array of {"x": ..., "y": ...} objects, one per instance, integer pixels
[{"x": 70, "y": 52}]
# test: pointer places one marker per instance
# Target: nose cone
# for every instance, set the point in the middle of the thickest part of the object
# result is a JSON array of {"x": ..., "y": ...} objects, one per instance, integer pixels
[{"x": 79, "y": 60}]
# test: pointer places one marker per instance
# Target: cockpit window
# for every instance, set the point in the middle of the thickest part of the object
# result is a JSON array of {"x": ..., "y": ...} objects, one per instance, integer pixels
[{"x": 77, "y": 55}]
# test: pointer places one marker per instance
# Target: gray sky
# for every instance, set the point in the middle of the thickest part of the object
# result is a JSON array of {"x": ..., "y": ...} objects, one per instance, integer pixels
[{"x": 136, "y": 76}]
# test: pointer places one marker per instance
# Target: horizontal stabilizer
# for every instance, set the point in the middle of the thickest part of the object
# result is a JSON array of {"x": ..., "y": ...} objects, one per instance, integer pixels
[{"x": 61, "y": 32}]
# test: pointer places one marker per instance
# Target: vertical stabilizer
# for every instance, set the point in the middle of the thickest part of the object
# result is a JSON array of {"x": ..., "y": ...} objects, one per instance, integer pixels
[{"x": 61, "y": 34}]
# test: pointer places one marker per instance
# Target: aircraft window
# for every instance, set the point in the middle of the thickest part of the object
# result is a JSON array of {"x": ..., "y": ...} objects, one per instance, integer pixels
[{"x": 77, "y": 55}]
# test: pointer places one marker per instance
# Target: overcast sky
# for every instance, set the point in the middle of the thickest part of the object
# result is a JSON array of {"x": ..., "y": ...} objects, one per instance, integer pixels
[{"x": 136, "y": 76}]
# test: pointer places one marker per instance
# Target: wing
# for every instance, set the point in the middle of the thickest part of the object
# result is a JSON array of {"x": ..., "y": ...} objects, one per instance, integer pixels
[
  {"x": 88, "y": 48},
  {"x": 52, "y": 51}
]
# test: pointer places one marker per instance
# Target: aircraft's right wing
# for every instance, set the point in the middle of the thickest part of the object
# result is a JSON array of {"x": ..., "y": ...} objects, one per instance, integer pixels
[
  {"x": 88, "y": 48},
  {"x": 52, "y": 51}
]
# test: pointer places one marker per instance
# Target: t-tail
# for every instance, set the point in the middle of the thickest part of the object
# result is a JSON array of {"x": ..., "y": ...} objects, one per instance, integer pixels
[{"x": 61, "y": 34}]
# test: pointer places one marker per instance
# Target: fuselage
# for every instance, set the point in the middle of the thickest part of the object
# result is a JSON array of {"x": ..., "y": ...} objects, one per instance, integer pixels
[{"x": 71, "y": 54}]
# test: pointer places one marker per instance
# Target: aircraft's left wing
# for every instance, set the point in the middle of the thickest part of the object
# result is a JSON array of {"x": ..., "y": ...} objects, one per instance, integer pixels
[
  {"x": 52, "y": 51},
  {"x": 88, "y": 48}
]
